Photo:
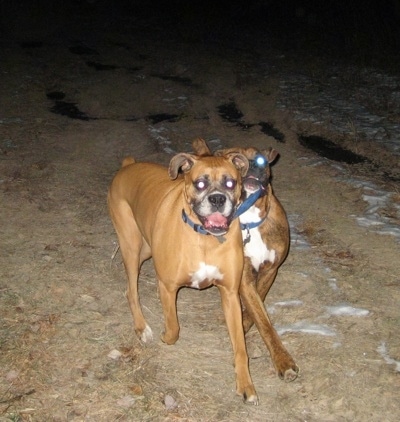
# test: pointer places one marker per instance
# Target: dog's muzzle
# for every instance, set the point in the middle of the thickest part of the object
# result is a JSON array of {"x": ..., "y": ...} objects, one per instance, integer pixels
[{"x": 252, "y": 184}]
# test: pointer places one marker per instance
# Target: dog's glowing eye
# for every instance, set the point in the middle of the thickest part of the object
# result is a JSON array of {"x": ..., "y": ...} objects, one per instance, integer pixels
[
  {"x": 230, "y": 184},
  {"x": 261, "y": 161},
  {"x": 201, "y": 184}
]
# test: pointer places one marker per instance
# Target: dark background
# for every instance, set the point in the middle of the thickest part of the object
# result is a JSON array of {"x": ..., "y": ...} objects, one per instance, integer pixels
[{"x": 368, "y": 28}]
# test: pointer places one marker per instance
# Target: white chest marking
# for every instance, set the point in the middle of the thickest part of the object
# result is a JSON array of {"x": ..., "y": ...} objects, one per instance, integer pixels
[
  {"x": 204, "y": 276},
  {"x": 256, "y": 249}
]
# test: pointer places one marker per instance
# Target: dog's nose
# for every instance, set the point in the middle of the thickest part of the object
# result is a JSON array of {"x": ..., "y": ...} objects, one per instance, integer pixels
[{"x": 217, "y": 200}]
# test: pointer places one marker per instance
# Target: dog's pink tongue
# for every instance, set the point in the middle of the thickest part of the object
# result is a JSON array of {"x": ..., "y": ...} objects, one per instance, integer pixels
[{"x": 216, "y": 220}]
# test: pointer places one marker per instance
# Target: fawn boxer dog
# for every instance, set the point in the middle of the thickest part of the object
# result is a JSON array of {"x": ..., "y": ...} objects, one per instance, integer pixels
[
  {"x": 183, "y": 218},
  {"x": 265, "y": 232}
]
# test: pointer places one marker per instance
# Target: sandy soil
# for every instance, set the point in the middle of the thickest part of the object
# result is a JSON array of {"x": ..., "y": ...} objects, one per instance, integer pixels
[{"x": 68, "y": 351}]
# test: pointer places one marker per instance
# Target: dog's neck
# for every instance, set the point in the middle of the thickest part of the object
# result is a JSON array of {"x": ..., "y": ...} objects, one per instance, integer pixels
[
  {"x": 198, "y": 228},
  {"x": 250, "y": 200}
]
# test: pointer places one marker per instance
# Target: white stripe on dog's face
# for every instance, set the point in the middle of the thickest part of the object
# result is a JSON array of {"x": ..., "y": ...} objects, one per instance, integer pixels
[
  {"x": 256, "y": 249},
  {"x": 204, "y": 276}
]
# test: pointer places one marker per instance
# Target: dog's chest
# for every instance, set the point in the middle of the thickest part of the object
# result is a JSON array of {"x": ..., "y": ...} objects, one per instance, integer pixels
[
  {"x": 204, "y": 276},
  {"x": 256, "y": 248}
]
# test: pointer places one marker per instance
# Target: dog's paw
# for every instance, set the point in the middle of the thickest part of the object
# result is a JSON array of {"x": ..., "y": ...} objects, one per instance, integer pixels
[
  {"x": 253, "y": 399},
  {"x": 147, "y": 335},
  {"x": 170, "y": 337},
  {"x": 285, "y": 366},
  {"x": 248, "y": 394},
  {"x": 290, "y": 374}
]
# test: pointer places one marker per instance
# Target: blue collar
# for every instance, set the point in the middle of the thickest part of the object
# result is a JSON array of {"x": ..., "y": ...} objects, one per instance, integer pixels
[
  {"x": 196, "y": 227},
  {"x": 254, "y": 224},
  {"x": 249, "y": 202}
]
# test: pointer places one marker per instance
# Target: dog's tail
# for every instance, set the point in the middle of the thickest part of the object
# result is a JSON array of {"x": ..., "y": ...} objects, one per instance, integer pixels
[
  {"x": 200, "y": 147},
  {"x": 128, "y": 160}
]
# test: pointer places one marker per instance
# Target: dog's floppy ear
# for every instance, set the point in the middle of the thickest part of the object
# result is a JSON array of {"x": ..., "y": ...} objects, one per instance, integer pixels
[
  {"x": 200, "y": 147},
  {"x": 239, "y": 161},
  {"x": 271, "y": 154},
  {"x": 183, "y": 162}
]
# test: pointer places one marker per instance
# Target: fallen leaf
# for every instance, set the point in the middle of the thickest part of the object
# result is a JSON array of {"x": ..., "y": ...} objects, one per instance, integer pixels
[{"x": 136, "y": 389}]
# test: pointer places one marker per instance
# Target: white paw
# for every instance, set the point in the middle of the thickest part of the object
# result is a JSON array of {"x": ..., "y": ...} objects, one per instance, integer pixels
[
  {"x": 147, "y": 335},
  {"x": 253, "y": 399}
]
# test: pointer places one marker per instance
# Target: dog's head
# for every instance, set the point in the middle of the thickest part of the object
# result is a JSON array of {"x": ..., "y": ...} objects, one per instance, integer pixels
[
  {"x": 258, "y": 174},
  {"x": 213, "y": 186}
]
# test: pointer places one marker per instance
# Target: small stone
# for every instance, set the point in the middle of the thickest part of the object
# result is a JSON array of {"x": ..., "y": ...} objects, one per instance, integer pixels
[
  {"x": 126, "y": 401},
  {"x": 170, "y": 403},
  {"x": 114, "y": 354},
  {"x": 12, "y": 375}
]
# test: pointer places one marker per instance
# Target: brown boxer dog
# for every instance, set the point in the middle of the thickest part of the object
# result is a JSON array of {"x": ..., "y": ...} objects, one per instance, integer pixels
[
  {"x": 186, "y": 224},
  {"x": 265, "y": 232}
]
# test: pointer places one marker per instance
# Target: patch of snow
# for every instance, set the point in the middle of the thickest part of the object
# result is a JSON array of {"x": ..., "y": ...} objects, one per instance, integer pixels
[
  {"x": 359, "y": 110},
  {"x": 289, "y": 303},
  {"x": 333, "y": 284},
  {"x": 346, "y": 310},
  {"x": 381, "y": 349},
  {"x": 163, "y": 141},
  {"x": 347, "y": 111},
  {"x": 307, "y": 328},
  {"x": 284, "y": 304},
  {"x": 297, "y": 240},
  {"x": 377, "y": 200}
]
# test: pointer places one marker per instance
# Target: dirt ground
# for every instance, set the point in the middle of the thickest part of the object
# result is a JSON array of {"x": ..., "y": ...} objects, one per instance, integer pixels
[{"x": 71, "y": 108}]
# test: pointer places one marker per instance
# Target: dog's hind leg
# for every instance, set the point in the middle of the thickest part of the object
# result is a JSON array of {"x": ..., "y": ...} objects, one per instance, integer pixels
[
  {"x": 255, "y": 310},
  {"x": 262, "y": 285},
  {"x": 142, "y": 329},
  {"x": 265, "y": 281},
  {"x": 134, "y": 250}
]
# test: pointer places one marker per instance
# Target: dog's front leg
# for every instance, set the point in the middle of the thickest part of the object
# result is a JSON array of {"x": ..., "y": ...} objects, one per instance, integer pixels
[
  {"x": 168, "y": 301},
  {"x": 134, "y": 251},
  {"x": 233, "y": 316}
]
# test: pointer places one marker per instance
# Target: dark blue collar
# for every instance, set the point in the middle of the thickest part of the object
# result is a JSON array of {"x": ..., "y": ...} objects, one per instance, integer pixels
[
  {"x": 252, "y": 225},
  {"x": 249, "y": 202},
  {"x": 196, "y": 227}
]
